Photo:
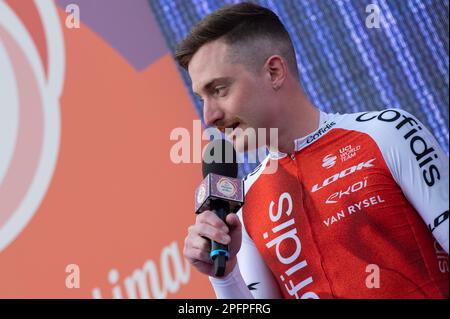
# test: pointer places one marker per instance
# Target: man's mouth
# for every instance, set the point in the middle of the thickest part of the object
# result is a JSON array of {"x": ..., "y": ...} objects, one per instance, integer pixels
[
  {"x": 235, "y": 125},
  {"x": 229, "y": 130}
]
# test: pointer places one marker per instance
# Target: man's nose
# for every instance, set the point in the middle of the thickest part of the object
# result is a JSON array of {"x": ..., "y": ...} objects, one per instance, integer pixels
[{"x": 211, "y": 113}]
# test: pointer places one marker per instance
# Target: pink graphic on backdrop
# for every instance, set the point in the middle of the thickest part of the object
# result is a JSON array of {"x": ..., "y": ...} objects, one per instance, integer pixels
[
  {"x": 29, "y": 132},
  {"x": 30, "y": 87}
]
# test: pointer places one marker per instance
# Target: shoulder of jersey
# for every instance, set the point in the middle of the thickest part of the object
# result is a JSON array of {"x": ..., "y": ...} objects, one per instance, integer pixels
[
  {"x": 379, "y": 124},
  {"x": 253, "y": 176}
]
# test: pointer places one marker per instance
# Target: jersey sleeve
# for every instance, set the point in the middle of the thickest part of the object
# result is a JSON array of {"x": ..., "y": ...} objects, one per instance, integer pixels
[
  {"x": 417, "y": 163},
  {"x": 251, "y": 278}
]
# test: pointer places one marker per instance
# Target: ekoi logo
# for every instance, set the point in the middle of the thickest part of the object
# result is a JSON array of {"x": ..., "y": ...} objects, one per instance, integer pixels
[
  {"x": 31, "y": 82},
  {"x": 329, "y": 161}
]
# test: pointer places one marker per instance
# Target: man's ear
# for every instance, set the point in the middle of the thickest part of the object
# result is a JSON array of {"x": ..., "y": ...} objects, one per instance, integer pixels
[{"x": 276, "y": 69}]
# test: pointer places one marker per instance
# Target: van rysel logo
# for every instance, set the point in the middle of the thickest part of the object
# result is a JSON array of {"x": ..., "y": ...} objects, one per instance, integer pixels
[{"x": 424, "y": 154}]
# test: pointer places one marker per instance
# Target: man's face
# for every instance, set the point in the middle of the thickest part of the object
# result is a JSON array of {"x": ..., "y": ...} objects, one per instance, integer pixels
[{"x": 233, "y": 96}]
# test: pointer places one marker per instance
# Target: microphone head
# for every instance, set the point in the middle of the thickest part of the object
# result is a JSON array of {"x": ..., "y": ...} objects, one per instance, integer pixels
[{"x": 220, "y": 158}]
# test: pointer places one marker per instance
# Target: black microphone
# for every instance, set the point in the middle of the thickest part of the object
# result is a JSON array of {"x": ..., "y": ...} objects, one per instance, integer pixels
[{"x": 220, "y": 192}]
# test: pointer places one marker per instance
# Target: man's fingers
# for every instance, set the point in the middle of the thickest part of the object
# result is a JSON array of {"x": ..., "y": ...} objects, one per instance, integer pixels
[
  {"x": 209, "y": 217},
  {"x": 197, "y": 255},
  {"x": 209, "y": 226},
  {"x": 208, "y": 231},
  {"x": 201, "y": 243}
]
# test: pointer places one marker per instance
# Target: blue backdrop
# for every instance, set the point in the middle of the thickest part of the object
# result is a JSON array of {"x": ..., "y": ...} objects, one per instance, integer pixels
[{"x": 344, "y": 65}]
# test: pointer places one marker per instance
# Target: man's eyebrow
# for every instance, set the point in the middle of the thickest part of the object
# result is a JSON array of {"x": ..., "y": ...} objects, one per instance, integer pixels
[{"x": 211, "y": 83}]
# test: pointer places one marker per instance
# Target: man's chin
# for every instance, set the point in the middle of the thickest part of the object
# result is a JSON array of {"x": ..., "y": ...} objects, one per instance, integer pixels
[
  {"x": 245, "y": 139},
  {"x": 242, "y": 145}
]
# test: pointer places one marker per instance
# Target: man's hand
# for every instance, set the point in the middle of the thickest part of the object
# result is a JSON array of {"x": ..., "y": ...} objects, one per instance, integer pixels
[{"x": 208, "y": 226}]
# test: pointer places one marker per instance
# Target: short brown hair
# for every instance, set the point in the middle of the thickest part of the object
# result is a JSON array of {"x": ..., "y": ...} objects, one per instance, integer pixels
[{"x": 238, "y": 25}]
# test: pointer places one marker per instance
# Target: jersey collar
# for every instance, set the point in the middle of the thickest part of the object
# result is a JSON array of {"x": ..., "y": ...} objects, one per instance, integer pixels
[{"x": 327, "y": 122}]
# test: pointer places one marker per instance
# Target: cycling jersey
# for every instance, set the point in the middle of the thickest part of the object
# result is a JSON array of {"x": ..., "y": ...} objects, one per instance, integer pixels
[{"x": 359, "y": 210}]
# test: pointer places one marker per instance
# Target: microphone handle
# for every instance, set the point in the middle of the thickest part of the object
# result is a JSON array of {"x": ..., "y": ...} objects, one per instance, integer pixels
[{"x": 219, "y": 252}]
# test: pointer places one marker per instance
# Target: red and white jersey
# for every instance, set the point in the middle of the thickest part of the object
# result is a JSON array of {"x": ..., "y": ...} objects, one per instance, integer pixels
[{"x": 360, "y": 210}]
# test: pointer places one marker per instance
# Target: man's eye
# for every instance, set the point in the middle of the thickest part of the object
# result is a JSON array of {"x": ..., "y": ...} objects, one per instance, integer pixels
[{"x": 220, "y": 91}]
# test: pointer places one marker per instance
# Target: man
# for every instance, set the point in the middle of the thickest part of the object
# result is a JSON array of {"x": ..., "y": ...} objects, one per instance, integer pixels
[{"x": 358, "y": 207}]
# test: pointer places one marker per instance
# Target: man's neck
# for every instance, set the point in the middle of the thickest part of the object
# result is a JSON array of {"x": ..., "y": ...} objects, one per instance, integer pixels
[{"x": 298, "y": 118}]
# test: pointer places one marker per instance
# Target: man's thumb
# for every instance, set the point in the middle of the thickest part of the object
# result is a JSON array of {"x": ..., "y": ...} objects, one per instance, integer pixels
[{"x": 233, "y": 222}]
